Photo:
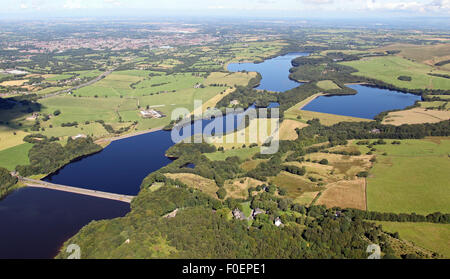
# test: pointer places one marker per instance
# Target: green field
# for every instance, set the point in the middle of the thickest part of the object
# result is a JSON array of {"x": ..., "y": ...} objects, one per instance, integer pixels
[
  {"x": 95, "y": 130},
  {"x": 17, "y": 155},
  {"x": 10, "y": 137},
  {"x": 242, "y": 153},
  {"x": 413, "y": 177},
  {"x": 229, "y": 79},
  {"x": 166, "y": 103},
  {"x": 82, "y": 109},
  {"x": 434, "y": 237},
  {"x": 120, "y": 84},
  {"x": 60, "y": 77},
  {"x": 88, "y": 74},
  {"x": 325, "y": 118},
  {"x": 118, "y": 100},
  {"x": 116, "y": 84},
  {"x": 429, "y": 54},
  {"x": 255, "y": 51},
  {"x": 52, "y": 89},
  {"x": 327, "y": 85},
  {"x": 389, "y": 68},
  {"x": 434, "y": 104}
]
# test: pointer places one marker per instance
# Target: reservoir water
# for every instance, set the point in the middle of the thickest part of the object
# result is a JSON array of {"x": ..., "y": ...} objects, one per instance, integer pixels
[
  {"x": 367, "y": 103},
  {"x": 36, "y": 222},
  {"x": 274, "y": 72},
  {"x": 120, "y": 167}
]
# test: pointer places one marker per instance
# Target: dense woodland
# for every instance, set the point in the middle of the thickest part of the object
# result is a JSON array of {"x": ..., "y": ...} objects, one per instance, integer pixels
[
  {"x": 203, "y": 229},
  {"x": 7, "y": 182},
  {"x": 47, "y": 156}
]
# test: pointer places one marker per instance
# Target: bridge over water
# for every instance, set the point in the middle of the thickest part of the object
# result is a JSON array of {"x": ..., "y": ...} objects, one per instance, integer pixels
[{"x": 99, "y": 194}]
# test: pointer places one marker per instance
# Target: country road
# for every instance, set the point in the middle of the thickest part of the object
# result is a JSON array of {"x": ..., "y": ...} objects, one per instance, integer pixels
[{"x": 103, "y": 75}]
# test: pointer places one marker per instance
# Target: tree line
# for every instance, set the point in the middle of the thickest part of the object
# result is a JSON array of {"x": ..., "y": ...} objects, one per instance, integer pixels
[{"x": 47, "y": 156}]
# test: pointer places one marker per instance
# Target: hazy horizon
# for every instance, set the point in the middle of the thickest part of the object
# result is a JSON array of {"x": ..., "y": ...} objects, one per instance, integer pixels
[{"x": 307, "y": 9}]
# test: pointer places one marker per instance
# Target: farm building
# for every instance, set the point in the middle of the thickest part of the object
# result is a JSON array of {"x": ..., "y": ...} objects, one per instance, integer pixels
[
  {"x": 239, "y": 214},
  {"x": 150, "y": 113}
]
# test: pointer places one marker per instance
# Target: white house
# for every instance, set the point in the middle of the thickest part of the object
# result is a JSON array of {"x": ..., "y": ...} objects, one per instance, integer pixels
[{"x": 278, "y": 222}]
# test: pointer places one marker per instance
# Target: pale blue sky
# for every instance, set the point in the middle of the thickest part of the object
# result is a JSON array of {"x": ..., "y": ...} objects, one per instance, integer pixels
[{"x": 300, "y": 8}]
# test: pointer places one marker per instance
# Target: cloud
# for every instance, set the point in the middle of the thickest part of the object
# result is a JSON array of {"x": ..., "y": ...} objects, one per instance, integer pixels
[
  {"x": 112, "y": 2},
  {"x": 434, "y": 6},
  {"x": 437, "y": 5},
  {"x": 73, "y": 4},
  {"x": 31, "y": 4},
  {"x": 281, "y": 7},
  {"x": 317, "y": 2}
]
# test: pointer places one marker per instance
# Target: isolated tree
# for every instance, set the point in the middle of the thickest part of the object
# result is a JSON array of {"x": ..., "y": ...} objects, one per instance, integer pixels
[{"x": 222, "y": 193}]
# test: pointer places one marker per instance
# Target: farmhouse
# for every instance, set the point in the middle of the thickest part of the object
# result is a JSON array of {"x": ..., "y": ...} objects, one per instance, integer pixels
[
  {"x": 238, "y": 214},
  {"x": 150, "y": 113},
  {"x": 278, "y": 222}
]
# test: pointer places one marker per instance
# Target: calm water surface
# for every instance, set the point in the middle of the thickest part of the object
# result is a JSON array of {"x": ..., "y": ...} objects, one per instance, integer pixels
[
  {"x": 120, "y": 167},
  {"x": 369, "y": 102},
  {"x": 36, "y": 222},
  {"x": 274, "y": 72}
]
